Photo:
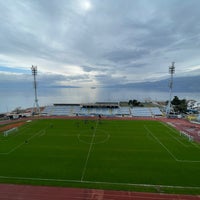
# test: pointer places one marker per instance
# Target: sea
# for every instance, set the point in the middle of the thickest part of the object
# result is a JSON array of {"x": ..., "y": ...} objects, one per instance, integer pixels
[{"x": 23, "y": 98}]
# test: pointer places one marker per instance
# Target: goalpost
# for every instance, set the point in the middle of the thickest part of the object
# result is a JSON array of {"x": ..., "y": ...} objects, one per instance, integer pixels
[
  {"x": 190, "y": 138},
  {"x": 6, "y": 133}
]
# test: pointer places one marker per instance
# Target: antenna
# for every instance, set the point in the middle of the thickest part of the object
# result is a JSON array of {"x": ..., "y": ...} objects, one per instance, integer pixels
[
  {"x": 171, "y": 72},
  {"x": 36, "y": 108}
]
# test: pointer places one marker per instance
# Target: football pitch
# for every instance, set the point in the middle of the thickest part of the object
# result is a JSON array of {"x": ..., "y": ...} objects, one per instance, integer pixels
[{"x": 107, "y": 154}]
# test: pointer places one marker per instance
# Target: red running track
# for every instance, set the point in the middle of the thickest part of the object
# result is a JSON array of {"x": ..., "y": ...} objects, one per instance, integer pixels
[{"x": 26, "y": 192}]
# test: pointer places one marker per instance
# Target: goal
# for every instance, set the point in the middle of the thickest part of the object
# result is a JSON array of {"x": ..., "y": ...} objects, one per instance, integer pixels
[{"x": 6, "y": 133}]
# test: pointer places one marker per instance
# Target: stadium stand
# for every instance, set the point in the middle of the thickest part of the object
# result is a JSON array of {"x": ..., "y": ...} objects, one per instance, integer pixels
[
  {"x": 101, "y": 105},
  {"x": 104, "y": 109},
  {"x": 146, "y": 112},
  {"x": 84, "y": 112},
  {"x": 156, "y": 111},
  {"x": 141, "y": 112},
  {"x": 99, "y": 108},
  {"x": 123, "y": 111},
  {"x": 47, "y": 110},
  {"x": 61, "y": 110},
  {"x": 97, "y": 111}
]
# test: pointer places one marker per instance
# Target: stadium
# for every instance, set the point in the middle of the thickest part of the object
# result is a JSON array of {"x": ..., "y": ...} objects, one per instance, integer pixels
[
  {"x": 102, "y": 146},
  {"x": 110, "y": 150},
  {"x": 90, "y": 108},
  {"x": 101, "y": 150},
  {"x": 107, "y": 109}
]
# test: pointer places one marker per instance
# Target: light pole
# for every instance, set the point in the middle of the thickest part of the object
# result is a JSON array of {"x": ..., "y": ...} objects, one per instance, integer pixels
[
  {"x": 36, "y": 105},
  {"x": 171, "y": 72}
]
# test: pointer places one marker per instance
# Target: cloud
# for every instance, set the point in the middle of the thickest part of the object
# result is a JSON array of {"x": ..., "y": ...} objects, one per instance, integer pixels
[
  {"x": 126, "y": 55},
  {"x": 99, "y": 41},
  {"x": 87, "y": 68}
]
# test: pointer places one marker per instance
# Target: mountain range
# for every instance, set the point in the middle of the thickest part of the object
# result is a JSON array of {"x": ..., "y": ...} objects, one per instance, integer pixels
[{"x": 180, "y": 84}]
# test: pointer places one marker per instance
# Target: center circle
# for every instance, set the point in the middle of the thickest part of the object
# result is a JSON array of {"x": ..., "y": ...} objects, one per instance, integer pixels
[{"x": 97, "y": 137}]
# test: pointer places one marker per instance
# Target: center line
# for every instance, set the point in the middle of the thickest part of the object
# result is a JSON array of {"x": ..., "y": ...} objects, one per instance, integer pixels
[{"x": 88, "y": 155}]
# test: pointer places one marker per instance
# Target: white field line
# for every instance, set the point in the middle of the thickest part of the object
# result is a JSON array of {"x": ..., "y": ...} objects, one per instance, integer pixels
[
  {"x": 98, "y": 182},
  {"x": 18, "y": 146},
  {"x": 105, "y": 139},
  {"x": 177, "y": 140},
  {"x": 196, "y": 145},
  {"x": 24, "y": 128},
  {"x": 88, "y": 155},
  {"x": 188, "y": 136},
  {"x": 173, "y": 156},
  {"x": 192, "y": 143},
  {"x": 169, "y": 127},
  {"x": 100, "y": 142}
]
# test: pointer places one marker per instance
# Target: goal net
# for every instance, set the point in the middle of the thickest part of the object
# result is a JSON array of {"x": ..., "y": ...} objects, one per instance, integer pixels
[{"x": 6, "y": 133}]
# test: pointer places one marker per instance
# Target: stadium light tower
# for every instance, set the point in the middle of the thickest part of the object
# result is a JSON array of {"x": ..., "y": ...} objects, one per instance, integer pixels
[
  {"x": 36, "y": 105},
  {"x": 171, "y": 72}
]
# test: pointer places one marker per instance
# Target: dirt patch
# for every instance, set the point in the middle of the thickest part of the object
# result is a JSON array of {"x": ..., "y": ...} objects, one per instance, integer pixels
[{"x": 9, "y": 126}]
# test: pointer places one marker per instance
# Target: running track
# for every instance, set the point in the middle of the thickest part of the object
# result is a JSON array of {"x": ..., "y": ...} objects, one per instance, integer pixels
[{"x": 25, "y": 192}]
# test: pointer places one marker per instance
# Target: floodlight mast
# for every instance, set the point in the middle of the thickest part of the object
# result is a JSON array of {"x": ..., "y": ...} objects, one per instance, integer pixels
[
  {"x": 36, "y": 108},
  {"x": 171, "y": 72}
]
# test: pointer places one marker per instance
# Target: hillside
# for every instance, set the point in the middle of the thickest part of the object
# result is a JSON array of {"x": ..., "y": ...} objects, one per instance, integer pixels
[{"x": 181, "y": 84}]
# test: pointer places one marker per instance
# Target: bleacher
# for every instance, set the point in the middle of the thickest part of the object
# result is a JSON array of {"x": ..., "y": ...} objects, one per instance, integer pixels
[
  {"x": 48, "y": 110},
  {"x": 61, "y": 110},
  {"x": 75, "y": 110},
  {"x": 141, "y": 112},
  {"x": 97, "y": 111},
  {"x": 146, "y": 112},
  {"x": 156, "y": 111},
  {"x": 123, "y": 111},
  {"x": 78, "y": 110},
  {"x": 83, "y": 112}
]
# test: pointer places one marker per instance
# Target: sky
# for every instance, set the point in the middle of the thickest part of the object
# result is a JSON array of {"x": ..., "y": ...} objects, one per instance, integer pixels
[{"x": 98, "y": 42}]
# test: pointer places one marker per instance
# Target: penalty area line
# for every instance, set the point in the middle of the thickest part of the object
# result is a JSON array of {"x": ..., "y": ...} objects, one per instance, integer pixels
[
  {"x": 159, "y": 142},
  {"x": 28, "y": 139},
  {"x": 169, "y": 152}
]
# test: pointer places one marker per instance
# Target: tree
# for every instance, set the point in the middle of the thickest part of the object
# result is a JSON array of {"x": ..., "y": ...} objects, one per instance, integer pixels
[
  {"x": 134, "y": 102},
  {"x": 130, "y": 103},
  {"x": 180, "y": 105},
  {"x": 176, "y": 101}
]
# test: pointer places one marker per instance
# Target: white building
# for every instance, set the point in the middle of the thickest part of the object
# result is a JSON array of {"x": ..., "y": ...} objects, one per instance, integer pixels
[{"x": 193, "y": 105}]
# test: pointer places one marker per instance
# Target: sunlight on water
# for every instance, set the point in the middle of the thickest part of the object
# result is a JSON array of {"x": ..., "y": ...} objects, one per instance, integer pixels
[{"x": 12, "y": 99}]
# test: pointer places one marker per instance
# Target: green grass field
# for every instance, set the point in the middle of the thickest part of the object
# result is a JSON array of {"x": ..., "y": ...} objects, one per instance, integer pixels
[{"x": 107, "y": 154}]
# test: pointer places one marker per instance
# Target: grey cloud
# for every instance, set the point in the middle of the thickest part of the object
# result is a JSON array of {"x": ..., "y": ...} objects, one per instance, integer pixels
[
  {"x": 87, "y": 68},
  {"x": 114, "y": 37},
  {"x": 43, "y": 80},
  {"x": 14, "y": 78},
  {"x": 52, "y": 79},
  {"x": 126, "y": 55},
  {"x": 110, "y": 80}
]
